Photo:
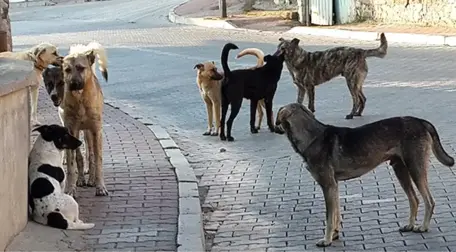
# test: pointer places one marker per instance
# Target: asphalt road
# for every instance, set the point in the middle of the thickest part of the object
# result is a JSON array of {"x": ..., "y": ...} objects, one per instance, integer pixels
[{"x": 260, "y": 198}]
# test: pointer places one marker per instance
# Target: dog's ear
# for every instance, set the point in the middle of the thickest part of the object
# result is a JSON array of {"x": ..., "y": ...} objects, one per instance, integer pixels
[
  {"x": 283, "y": 113},
  {"x": 43, "y": 130},
  {"x": 267, "y": 57},
  {"x": 199, "y": 66},
  {"x": 38, "y": 52},
  {"x": 91, "y": 58},
  {"x": 295, "y": 41},
  {"x": 213, "y": 62},
  {"x": 281, "y": 39}
]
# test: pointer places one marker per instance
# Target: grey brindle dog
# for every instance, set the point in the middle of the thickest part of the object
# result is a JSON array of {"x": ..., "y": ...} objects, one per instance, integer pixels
[
  {"x": 309, "y": 69},
  {"x": 336, "y": 154}
]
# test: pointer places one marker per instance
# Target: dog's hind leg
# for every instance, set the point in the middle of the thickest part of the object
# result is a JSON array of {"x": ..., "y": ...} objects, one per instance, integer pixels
[
  {"x": 209, "y": 110},
  {"x": 100, "y": 189},
  {"x": 235, "y": 107},
  {"x": 417, "y": 160},
  {"x": 260, "y": 107},
  {"x": 352, "y": 87},
  {"x": 225, "y": 105},
  {"x": 330, "y": 192},
  {"x": 269, "y": 114},
  {"x": 253, "y": 108},
  {"x": 403, "y": 176},
  {"x": 361, "y": 97}
]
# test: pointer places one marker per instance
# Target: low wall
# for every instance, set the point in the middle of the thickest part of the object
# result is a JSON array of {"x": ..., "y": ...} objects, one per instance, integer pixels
[
  {"x": 15, "y": 78},
  {"x": 417, "y": 12}
]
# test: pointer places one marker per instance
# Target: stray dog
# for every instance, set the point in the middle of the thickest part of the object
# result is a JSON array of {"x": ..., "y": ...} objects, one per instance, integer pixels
[
  {"x": 253, "y": 84},
  {"x": 83, "y": 109},
  {"x": 309, "y": 69},
  {"x": 53, "y": 81},
  {"x": 208, "y": 81},
  {"x": 335, "y": 154},
  {"x": 48, "y": 204},
  {"x": 41, "y": 55}
]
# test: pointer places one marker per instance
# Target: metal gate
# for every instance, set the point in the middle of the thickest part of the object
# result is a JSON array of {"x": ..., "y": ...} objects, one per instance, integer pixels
[{"x": 321, "y": 12}]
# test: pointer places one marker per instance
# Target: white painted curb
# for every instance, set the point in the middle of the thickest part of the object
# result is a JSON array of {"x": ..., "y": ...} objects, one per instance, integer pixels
[
  {"x": 190, "y": 219},
  {"x": 409, "y": 38}
]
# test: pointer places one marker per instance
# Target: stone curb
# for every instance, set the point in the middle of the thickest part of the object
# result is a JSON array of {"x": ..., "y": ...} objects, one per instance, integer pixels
[
  {"x": 190, "y": 219},
  {"x": 410, "y": 38}
]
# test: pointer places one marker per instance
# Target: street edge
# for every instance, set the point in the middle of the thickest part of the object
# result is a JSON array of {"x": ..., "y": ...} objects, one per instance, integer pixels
[
  {"x": 190, "y": 218},
  {"x": 409, "y": 38}
]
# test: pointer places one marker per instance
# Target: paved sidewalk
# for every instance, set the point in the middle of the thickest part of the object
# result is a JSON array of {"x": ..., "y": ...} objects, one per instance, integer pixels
[
  {"x": 141, "y": 211},
  {"x": 206, "y": 13}
]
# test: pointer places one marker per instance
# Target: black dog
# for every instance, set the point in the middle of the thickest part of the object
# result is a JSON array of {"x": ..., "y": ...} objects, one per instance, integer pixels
[{"x": 252, "y": 84}]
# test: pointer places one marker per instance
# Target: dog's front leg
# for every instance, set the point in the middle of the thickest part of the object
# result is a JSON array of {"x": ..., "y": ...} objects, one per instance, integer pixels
[
  {"x": 98, "y": 154},
  {"x": 209, "y": 116},
  {"x": 330, "y": 192},
  {"x": 253, "y": 108},
  {"x": 70, "y": 155},
  {"x": 311, "y": 95},
  {"x": 223, "y": 118},
  {"x": 301, "y": 94}
]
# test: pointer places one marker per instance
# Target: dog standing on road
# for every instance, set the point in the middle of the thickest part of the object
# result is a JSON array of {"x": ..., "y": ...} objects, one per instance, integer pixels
[
  {"x": 41, "y": 55},
  {"x": 336, "y": 154},
  {"x": 48, "y": 204},
  {"x": 83, "y": 109},
  {"x": 252, "y": 84},
  {"x": 209, "y": 79},
  {"x": 309, "y": 69}
]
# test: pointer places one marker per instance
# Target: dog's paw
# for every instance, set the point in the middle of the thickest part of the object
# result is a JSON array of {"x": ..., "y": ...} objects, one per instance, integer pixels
[
  {"x": 335, "y": 235},
  {"x": 253, "y": 130},
  {"x": 230, "y": 139},
  {"x": 71, "y": 191},
  {"x": 272, "y": 129},
  {"x": 357, "y": 114},
  {"x": 91, "y": 182},
  {"x": 420, "y": 229},
  {"x": 349, "y": 116},
  {"x": 223, "y": 137},
  {"x": 214, "y": 133},
  {"x": 323, "y": 243},
  {"x": 81, "y": 182},
  {"x": 407, "y": 228},
  {"x": 257, "y": 127},
  {"x": 101, "y": 191},
  {"x": 207, "y": 133}
]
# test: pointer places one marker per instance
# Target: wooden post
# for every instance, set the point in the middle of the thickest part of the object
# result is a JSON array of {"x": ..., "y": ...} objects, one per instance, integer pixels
[
  {"x": 222, "y": 7},
  {"x": 3, "y": 41}
]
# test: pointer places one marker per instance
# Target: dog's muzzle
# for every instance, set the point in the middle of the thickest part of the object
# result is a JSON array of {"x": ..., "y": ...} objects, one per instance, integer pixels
[
  {"x": 76, "y": 86},
  {"x": 58, "y": 62},
  {"x": 278, "y": 129},
  {"x": 278, "y": 52},
  {"x": 217, "y": 77},
  {"x": 55, "y": 99}
]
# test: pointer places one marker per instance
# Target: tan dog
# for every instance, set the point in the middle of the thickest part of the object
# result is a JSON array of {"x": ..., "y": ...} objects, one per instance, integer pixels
[
  {"x": 208, "y": 81},
  {"x": 41, "y": 55},
  {"x": 82, "y": 110}
]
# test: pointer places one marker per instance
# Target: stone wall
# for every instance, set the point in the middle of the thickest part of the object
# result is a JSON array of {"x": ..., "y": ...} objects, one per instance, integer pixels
[
  {"x": 5, "y": 23},
  {"x": 15, "y": 80},
  {"x": 419, "y": 12}
]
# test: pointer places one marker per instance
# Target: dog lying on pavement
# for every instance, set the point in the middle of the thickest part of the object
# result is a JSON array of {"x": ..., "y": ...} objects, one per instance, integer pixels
[
  {"x": 41, "y": 55},
  {"x": 335, "y": 154},
  {"x": 48, "y": 204},
  {"x": 253, "y": 84},
  {"x": 310, "y": 69},
  {"x": 83, "y": 110},
  {"x": 209, "y": 79}
]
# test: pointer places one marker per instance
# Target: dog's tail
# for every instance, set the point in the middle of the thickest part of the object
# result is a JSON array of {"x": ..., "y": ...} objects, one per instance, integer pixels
[
  {"x": 225, "y": 51},
  {"x": 437, "y": 147},
  {"x": 57, "y": 220},
  {"x": 381, "y": 51},
  {"x": 253, "y": 51}
]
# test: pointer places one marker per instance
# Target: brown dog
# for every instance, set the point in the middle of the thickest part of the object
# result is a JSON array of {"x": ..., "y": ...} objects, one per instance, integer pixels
[
  {"x": 336, "y": 154},
  {"x": 83, "y": 108},
  {"x": 208, "y": 81},
  {"x": 41, "y": 55}
]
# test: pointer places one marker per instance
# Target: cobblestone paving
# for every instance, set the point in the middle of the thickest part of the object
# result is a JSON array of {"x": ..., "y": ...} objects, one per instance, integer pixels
[
  {"x": 259, "y": 196},
  {"x": 140, "y": 213}
]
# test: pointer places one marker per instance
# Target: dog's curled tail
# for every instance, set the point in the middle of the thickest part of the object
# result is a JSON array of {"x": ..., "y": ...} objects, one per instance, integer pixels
[
  {"x": 437, "y": 147},
  {"x": 253, "y": 51},
  {"x": 381, "y": 51},
  {"x": 99, "y": 50},
  {"x": 57, "y": 220},
  {"x": 225, "y": 51}
]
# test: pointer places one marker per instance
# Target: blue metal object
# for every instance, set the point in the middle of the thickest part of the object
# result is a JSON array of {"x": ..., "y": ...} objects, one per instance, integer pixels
[{"x": 345, "y": 11}]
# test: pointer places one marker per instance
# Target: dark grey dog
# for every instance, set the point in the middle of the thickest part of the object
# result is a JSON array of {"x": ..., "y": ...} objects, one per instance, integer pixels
[
  {"x": 335, "y": 154},
  {"x": 309, "y": 69}
]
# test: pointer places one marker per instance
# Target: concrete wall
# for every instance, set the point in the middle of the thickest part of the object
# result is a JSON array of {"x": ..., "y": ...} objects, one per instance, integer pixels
[
  {"x": 15, "y": 79},
  {"x": 419, "y": 12}
]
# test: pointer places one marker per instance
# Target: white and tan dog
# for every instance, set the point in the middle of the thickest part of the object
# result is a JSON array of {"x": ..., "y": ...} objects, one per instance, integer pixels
[
  {"x": 48, "y": 204},
  {"x": 41, "y": 55}
]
